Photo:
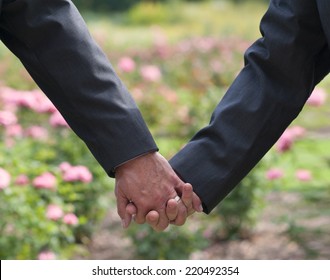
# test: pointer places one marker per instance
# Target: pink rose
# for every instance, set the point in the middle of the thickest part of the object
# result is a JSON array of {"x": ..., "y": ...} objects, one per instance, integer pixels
[
  {"x": 205, "y": 44},
  {"x": 64, "y": 166},
  {"x": 22, "y": 180},
  {"x": 126, "y": 64},
  {"x": 37, "y": 132},
  {"x": 70, "y": 219},
  {"x": 34, "y": 100},
  {"x": 7, "y": 118},
  {"x": 56, "y": 120},
  {"x": 288, "y": 137},
  {"x": 41, "y": 103},
  {"x": 25, "y": 99},
  {"x": 150, "y": 73},
  {"x": 54, "y": 212},
  {"x": 14, "y": 130},
  {"x": 297, "y": 131},
  {"x": 45, "y": 181},
  {"x": 20, "y": 98},
  {"x": 4, "y": 179},
  {"x": 7, "y": 95},
  {"x": 285, "y": 142},
  {"x": 317, "y": 98},
  {"x": 303, "y": 175},
  {"x": 46, "y": 255},
  {"x": 77, "y": 173},
  {"x": 274, "y": 173}
]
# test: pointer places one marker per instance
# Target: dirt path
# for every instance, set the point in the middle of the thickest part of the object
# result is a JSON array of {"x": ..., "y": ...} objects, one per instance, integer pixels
[{"x": 272, "y": 238}]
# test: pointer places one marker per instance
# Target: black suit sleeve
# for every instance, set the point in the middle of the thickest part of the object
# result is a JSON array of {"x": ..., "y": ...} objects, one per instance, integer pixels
[
  {"x": 52, "y": 41},
  {"x": 281, "y": 69}
]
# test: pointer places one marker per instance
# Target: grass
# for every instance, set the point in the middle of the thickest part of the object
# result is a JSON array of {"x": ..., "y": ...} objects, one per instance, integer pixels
[{"x": 215, "y": 18}]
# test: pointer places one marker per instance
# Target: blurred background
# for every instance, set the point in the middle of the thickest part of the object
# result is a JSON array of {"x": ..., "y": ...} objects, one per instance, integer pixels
[{"x": 177, "y": 58}]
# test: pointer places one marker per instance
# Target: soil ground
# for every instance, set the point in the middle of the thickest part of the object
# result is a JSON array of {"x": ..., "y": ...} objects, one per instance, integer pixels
[{"x": 307, "y": 237}]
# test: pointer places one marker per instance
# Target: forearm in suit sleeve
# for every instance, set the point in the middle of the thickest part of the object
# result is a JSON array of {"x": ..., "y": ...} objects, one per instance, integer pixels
[
  {"x": 280, "y": 72},
  {"x": 52, "y": 41}
]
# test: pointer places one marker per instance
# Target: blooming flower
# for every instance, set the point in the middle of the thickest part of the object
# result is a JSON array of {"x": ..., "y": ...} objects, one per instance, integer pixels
[
  {"x": 37, "y": 132},
  {"x": 10, "y": 96},
  {"x": 205, "y": 44},
  {"x": 22, "y": 180},
  {"x": 45, "y": 181},
  {"x": 297, "y": 131},
  {"x": 56, "y": 120},
  {"x": 126, "y": 64},
  {"x": 64, "y": 166},
  {"x": 303, "y": 175},
  {"x": 317, "y": 98},
  {"x": 70, "y": 219},
  {"x": 274, "y": 173},
  {"x": 46, "y": 255},
  {"x": 285, "y": 142},
  {"x": 7, "y": 118},
  {"x": 150, "y": 73},
  {"x": 41, "y": 104},
  {"x": 77, "y": 173},
  {"x": 54, "y": 212},
  {"x": 4, "y": 179},
  {"x": 25, "y": 99},
  {"x": 14, "y": 130},
  {"x": 288, "y": 137}
]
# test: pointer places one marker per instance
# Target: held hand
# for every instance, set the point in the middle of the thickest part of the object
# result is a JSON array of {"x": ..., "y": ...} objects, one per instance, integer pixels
[
  {"x": 149, "y": 182},
  {"x": 189, "y": 199},
  {"x": 175, "y": 216}
]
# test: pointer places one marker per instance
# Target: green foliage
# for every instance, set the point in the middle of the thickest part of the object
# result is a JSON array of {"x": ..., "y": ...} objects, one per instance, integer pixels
[
  {"x": 105, "y": 5},
  {"x": 26, "y": 228},
  {"x": 147, "y": 13},
  {"x": 174, "y": 244},
  {"x": 239, "y": 212},
  {"x": 124, "y": 5}
]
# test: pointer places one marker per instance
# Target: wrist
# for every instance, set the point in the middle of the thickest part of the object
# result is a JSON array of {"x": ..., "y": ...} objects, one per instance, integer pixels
[{"x": 134, "y": 161}]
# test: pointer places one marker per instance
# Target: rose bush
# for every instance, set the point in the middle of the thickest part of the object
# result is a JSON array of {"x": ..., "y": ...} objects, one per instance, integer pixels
[{"x": 51, "y": 189}]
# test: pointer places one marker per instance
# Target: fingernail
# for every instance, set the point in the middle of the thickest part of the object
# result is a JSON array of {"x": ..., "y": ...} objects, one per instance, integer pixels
[{"x": 201, "y": 208}]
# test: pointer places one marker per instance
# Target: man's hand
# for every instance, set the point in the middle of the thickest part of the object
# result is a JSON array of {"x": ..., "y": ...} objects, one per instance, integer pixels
[
  {"x": 188, "y": 198},
  {"x": 148, "y": 182}
]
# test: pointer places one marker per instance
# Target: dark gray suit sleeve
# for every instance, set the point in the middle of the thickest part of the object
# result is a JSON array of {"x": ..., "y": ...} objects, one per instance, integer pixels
[
  {"x": 52, "y": 41},
  {"x": 281, "y": 69}
]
